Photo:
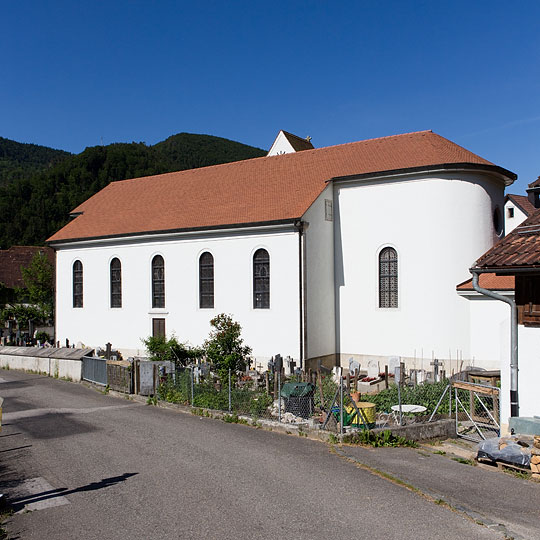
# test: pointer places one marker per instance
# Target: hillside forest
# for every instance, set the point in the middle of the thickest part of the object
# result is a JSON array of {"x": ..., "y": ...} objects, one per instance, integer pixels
[{"x": 39, "y": 186}]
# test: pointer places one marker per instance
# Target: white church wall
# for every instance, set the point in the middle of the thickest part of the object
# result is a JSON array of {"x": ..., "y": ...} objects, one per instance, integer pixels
[
  {"x": 439, "y": 225},
  {"x": 518, "y": 217},
  {"x": 320, "y": 300},
  {"x": 267, "y": 331}
]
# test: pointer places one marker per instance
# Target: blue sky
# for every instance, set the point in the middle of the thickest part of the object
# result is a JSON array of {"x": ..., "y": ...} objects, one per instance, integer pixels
[{"x": 76, "y": 73}]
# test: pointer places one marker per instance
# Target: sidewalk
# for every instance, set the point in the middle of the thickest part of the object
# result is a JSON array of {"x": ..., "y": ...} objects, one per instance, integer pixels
[{"x": 498, "y": 500}]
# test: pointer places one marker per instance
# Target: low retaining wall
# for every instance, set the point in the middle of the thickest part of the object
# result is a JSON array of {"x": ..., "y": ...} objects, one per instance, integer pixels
[
  {"x": 55, "y": 362},
  {"x": 439, "y": 429}
]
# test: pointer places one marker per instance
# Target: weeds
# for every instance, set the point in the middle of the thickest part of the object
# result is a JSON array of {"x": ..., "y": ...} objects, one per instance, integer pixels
[
  {"x": 152, "y": 400},
  {"x": 440, "y": 452},
  {"x": 386, "y": 438},
  {"x": 463, "y": 460}
]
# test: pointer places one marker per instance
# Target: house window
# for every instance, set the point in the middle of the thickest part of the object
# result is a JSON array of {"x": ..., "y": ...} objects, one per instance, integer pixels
[
  {"x": 261, "y": 279},
  {"x": 158, "y": 327},
  {"x": 206, "y": 280},
  {"x": 388, "y": 278},
  {"x": 116, "y": 283},
  {"x": 510, "y": 212},
  {"x": 158, "y": 282},
  {"x": 77, "y": 284}
]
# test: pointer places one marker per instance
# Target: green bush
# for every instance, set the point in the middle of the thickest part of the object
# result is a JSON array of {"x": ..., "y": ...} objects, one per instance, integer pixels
[
  {"x": 161, "y": 348},
  {"x": 225, "y": 348}
]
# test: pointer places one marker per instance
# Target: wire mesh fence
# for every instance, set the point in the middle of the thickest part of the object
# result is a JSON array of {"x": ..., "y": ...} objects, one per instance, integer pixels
[{"x": 324, "y": 401}]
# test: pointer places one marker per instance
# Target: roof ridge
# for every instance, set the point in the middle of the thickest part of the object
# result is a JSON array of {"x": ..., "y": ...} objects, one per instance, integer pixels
[
  {"x": 287, "y": 156},
  {"x": 295, "y": 136}
]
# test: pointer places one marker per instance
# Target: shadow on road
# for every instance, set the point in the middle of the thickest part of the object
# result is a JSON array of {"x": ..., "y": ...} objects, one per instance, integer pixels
[{"x": 18, "y": 504}]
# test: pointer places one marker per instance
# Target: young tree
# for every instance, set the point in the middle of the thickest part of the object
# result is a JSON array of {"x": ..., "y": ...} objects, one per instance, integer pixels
[
  {"x": 225, "y": 348},
  {"x": 38, "y": 281}
]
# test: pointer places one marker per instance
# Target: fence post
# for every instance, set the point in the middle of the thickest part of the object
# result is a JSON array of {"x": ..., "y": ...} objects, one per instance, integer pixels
[
  {"x": 341, "y": 401},
  {"x": 229, "y": 390},
  {"x": 450, "y": 400},
  {"x": 192, "y": 400},
  {"x": 279, "y": 395}
]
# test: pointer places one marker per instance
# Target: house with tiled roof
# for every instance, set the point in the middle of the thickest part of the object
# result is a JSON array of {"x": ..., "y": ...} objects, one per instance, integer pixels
[
  {"x": 517, "y": 257},
  {"x": 321, "y": 254}
]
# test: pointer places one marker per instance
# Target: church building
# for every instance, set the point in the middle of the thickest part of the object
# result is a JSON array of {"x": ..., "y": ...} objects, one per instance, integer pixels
[{"x": 321, "y": 254}]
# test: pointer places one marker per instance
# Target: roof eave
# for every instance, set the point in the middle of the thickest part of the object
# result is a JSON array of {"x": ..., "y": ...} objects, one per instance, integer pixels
[
  {"x": 507, "y": 176},
  {"x": 185, "y": 230}
]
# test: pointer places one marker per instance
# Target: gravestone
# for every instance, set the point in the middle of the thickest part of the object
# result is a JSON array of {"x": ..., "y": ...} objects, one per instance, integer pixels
[{"x": 373, "y": 368}]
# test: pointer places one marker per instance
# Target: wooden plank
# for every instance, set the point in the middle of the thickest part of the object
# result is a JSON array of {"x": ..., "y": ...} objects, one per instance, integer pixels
[{"x": 476, "y": 388}]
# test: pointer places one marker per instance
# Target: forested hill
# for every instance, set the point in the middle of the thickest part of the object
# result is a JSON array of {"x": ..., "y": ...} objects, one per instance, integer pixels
[
  {"x": 18, "y": 160},
  {"x": 36, "y": 205}
]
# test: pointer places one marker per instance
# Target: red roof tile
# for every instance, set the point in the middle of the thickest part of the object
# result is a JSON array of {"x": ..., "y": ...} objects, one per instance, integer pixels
[
  {"x": 264, "y": 189},
  {"x": 519, "y": 250},
  {"x": 17, "y": 257},
  {"x": 523, "y": 203},
  {"x": 490, "y": 281}
]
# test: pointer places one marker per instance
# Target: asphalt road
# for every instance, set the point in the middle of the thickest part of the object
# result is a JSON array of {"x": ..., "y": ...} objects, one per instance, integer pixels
[{"x": 79, "y": 464}]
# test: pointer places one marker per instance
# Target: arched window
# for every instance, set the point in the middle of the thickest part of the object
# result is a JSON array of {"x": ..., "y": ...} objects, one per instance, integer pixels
[
  {"x": 206, "y": 280},
  {"x": 261, "y": 279},
  {"x": 77, "y": 284},
  {"x": 388, "y": 278},
  {"x": 116, "y": 283},
  {"x": 158, "y": 282}
]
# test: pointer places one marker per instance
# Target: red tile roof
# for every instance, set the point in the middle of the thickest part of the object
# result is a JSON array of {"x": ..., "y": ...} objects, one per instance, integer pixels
[
  {"x": 519, "y": 250},
  {"x": 536, "y": 183},
  {"x": 490, "y": 281},
  {"x": 265, "y": 189},
  {"x": 17, "y": 257},
  {"x": 522, "y": 202}
]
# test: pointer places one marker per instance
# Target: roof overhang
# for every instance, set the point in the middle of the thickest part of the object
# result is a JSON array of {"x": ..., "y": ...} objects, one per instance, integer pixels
[
  {"x": 234, "y": 228},
  {"x": 506, "y": 176}
]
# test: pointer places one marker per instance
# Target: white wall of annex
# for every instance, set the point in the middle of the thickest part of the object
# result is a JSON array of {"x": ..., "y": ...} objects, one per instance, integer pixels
[
  {"x": 320, "y": 300},
  {"x": 510, "y": 223},
  {"x": 267, "y": 331},
  {"x": 490, "y": 339},
  {"x": 439, "y": 225}
]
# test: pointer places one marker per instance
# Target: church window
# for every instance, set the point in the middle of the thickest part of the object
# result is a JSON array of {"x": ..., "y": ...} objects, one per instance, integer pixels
[
  {"x": 77, "y": 284},
  {"x": 261, "y": 279},
  {"x": 206, "y": 280},
  {"x": 116, "y": 283},
  {"x": 388, "y": 278},
  {"x": 158, "y": 282}
]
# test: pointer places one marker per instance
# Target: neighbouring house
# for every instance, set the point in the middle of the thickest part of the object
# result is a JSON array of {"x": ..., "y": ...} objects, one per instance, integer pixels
[
  {"x": 517, "y": 208},
  {"x": 12, "y": 261},
  {"x": 517, "y": 256},
  {"x": 349, "y": 251}
]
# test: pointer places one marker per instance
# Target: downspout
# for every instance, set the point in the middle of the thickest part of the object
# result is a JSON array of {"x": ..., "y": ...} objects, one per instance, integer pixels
[
  {"x": 514, "y": 399},
  {"x": 300, "y": 225}
]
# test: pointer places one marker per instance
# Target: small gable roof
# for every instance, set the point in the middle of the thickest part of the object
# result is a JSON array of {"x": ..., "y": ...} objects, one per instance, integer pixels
[
  {"x": 490, "y": 281},
  {"x": 297, "y": 142},
  {"x": 522, "y": 202},
  {"x": 261, "y": 190}
]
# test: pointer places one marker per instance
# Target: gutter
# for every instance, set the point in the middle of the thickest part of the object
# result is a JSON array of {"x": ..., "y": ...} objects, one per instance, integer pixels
[{"x": 514, "y": 398}]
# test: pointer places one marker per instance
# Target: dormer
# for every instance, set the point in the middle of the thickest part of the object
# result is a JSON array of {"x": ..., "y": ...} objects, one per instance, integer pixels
[{"x": 287, "y": 143}]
